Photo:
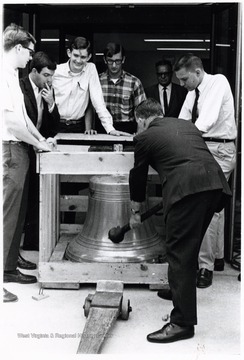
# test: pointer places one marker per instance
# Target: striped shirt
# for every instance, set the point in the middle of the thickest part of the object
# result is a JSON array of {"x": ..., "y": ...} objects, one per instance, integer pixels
[{"x": 123, "y": 96}]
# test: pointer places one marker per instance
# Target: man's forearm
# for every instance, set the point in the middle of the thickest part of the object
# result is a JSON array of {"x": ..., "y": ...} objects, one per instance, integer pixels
[
  {"x": 33, "y": 130},
  {"x": 20, "y": 131},
  {"x": 89, "y": 118}
]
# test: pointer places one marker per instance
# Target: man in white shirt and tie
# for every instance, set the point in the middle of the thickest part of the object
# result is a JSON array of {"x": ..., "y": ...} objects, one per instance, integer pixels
[{"x": 216, "y": 121}]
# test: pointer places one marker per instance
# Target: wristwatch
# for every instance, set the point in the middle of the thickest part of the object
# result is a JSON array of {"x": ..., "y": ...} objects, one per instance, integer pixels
[{"x": 134, "y": 212}]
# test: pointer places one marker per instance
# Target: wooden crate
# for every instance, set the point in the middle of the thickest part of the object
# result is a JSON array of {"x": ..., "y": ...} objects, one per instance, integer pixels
[{"x": 74, "y": 163}]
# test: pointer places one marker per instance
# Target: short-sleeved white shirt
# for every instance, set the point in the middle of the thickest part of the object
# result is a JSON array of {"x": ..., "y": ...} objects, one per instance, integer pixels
[{"x": 13, "y": 101}]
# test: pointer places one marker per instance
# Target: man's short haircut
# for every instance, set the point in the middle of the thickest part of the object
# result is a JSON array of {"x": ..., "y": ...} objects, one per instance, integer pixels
[
  {"x": 41, "y": 60},
  {"x": 164, "y": 62},
  {"x": 80, "y": 43},
  {"x": 112, "y": 49},
  {"x": 147, "y": 108},
  {"x": 14, "y": 35},
  {"x": 188, "y": 61}
]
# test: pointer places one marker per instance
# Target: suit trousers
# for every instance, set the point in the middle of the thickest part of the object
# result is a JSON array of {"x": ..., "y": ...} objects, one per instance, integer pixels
[
  {"x": 213, "y": 243},
  {"x": 186, "y": 224},
  {"x": 15, "y": 168},
  {"x": 31, "y": 228}
]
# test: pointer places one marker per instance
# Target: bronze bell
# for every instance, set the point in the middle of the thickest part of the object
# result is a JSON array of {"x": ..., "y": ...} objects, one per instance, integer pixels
[{"x": 109, "y": 206}]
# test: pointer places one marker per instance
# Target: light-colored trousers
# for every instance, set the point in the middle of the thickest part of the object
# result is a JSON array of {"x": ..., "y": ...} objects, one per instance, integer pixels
[{"x": 213, "y": 242}]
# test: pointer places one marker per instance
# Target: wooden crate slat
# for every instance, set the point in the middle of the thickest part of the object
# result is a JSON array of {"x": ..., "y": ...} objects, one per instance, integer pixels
[
  {"x": 130, "y": 273},
  {"x": 75, "y": 178},
  {"x": 89, "y": 163},
  {"x": 48, "y": 225},
  {"x": 94, "y": 138},
  {"x": 59, "y": 251},
  {"x": 70, "y": 228}
]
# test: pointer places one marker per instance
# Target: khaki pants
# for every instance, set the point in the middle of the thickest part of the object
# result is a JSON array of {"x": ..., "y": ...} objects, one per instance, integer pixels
[{"x": 213, "y": 242}]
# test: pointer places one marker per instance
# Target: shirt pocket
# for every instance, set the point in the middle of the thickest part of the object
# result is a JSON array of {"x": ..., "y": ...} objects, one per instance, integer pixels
[
  {"x": 126, "y": 104},
  {"x": 83, "y": 85}
]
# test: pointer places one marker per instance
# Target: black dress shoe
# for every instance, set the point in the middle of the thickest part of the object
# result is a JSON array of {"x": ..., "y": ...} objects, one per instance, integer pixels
[
  {"x": 8, "y": 296},
  {"x": 25, "y": 264},
  {"x": 171, "y": 332},
  {"x": 204, "y": 278},
  {"x": 219, "y": 265},
  {"x": 165, "y": 294},
  {"x": 17, "y": 277}
]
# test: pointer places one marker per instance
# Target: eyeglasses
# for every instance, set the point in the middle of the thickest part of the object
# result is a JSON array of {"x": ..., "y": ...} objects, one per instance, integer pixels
[
  {"x": 117, "y": 62},
  {"x": 167, "y": 73},
  {"x": 32, "y": 52}
]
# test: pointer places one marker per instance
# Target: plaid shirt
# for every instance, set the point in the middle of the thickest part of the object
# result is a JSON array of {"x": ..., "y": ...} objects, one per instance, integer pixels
[{"x": 122, "y": 97}]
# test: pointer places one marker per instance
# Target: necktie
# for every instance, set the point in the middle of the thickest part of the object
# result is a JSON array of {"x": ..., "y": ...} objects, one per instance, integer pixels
[
  {"x": 165, "y": 100},
  {"x": 194, "y": 109},
  {"x": 39, "y": 103}
]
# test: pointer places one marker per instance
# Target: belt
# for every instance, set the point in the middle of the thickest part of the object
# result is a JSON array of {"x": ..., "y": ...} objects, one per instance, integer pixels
[
  {"x": 71, "y": 121},
  {"x": 217, "y": 140},
  {"x": 7, "y": 142}
]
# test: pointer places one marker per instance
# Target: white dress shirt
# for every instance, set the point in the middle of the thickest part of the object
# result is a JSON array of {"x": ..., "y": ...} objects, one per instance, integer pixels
[
  {"x": 39, "y": 102},
  {"x": 215, "y": 107},
  {"x": 13, "y": 101},
  {"x": 73, "y": 91}
]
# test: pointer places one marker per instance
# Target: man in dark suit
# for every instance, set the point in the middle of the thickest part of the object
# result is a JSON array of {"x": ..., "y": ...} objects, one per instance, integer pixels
[
  {"x": 42, "y": 110},
  {"x": 193, "y": 188},
  {"x": 171, "y": 96}
]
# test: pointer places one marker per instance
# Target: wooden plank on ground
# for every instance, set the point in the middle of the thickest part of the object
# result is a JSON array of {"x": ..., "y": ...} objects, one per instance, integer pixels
[{"x": 98, "y": 324}]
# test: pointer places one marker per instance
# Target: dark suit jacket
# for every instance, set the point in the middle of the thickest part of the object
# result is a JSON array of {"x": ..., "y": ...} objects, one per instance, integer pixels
[
  {"x": 176, "y": 150},
  {"x": 50, "y": 121},
  {"x": 178, "y": 94}
]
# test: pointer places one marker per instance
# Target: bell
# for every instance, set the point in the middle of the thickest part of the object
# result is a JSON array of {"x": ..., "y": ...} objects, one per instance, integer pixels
[{"x": 109, "y": 206}]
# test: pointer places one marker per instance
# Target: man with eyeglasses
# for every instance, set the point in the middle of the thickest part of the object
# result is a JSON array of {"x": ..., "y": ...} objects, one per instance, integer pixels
[
  {"x": 122, "y": 91},
  {"x": 76, "y": 85},
  {"x": 18, "y": 132},
  {"x": 171, "y": 96}
]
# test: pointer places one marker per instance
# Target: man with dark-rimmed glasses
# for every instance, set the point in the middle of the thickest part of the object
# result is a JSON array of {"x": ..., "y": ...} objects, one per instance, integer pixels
[
  {"x": 18, "y": 132},
  {"x": 122, "y": 91},
  {"x": 170, "y": 95}
]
